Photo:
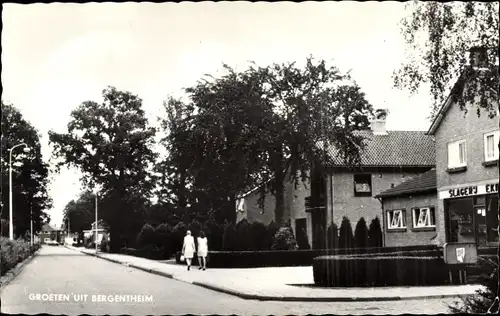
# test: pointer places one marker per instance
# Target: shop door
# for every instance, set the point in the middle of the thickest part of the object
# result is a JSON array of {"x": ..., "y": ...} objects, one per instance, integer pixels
[{"x": 480, "y": 225}]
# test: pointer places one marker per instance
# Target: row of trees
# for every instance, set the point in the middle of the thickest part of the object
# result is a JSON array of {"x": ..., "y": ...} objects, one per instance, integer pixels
[
  {"x": 232, "y": 134},
  {"x": 30, "y": 174}
]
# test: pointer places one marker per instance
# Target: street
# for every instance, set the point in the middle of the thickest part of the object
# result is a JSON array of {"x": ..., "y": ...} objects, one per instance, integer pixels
[{"x": 71, "y": 275}]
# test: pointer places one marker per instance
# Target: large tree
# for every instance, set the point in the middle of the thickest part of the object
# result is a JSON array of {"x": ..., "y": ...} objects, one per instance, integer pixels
[
  {"x": 213, "y": 141},
  {"x": 439, "y": 37},
  {"x": 79, "y": 214},
  {"x": 111, "y": 143},
  {"x": 315, "y": 109},
  {"x": 30, "y": 174},
  {"x": 252, "y": 127}
]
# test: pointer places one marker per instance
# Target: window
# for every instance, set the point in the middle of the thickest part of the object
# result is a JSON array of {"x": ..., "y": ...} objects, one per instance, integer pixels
[
  {"x": 457, "y": 154},
  {"x": 491, "y": 146},
  {"x": 424, "y": 217},
  {"x": 396, "y": 219},
  {"x": 362, "y": 185}
]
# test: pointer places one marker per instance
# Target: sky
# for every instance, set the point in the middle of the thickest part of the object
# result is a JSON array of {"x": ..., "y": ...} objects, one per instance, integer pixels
[{"x": 56, "y": 56}]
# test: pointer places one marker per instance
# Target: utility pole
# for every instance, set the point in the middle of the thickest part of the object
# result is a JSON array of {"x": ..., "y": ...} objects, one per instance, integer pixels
[{"x": 31, "y": 225}]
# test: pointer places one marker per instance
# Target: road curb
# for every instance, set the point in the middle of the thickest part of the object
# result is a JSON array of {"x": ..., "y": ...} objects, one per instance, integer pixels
[
  {"x": 280, "y": 298},
  {"x": 18, "y": 268},
  {"x": 320, "y": 299}
]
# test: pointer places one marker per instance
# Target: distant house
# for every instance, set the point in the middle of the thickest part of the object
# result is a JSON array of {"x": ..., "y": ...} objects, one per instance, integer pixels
[
  {"x": 49, "y": 232},
  {"x": 102, "y": 232},
  {"x": 389, "y": 158},
  {"x": 409, "y": 212}
]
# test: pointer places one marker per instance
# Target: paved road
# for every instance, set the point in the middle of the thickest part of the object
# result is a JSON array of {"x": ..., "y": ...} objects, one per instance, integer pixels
[{"x": 57, "y": 270}]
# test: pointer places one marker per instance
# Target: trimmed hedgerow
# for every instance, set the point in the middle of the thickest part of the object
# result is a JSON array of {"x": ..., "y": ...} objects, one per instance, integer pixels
[{"x": 360, "y": 271}]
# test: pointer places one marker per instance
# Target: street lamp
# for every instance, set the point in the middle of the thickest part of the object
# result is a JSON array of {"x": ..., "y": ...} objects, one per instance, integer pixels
[
  {"x": 96, "y": 190},
  {"x": 11, "y": 222}
]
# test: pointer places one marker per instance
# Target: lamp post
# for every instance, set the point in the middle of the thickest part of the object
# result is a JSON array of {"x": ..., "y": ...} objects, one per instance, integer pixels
[
  {"x": 11, "y": 222},
  {"x": 31, "y": 225},
  {"x": 96, "y": 218}
]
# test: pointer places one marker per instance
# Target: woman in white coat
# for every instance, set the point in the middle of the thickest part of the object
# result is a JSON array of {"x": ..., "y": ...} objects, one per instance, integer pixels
[
  {"x": 202, "y": 251},
  {"x": 188, "y": 249}
]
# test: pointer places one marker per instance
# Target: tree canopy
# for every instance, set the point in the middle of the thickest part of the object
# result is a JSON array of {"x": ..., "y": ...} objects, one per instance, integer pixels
[
  {"x": 439, "y": 36},
  {"x": 111, "y": 143},
  {"x": 261, "y": 125},
  {"x": 30, "y": 174}
]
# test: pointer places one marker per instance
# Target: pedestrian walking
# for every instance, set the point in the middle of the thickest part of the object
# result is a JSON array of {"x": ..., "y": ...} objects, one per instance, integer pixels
[
  {"x": 202, "y": 250},
  {"x": 188, "y": 248}
]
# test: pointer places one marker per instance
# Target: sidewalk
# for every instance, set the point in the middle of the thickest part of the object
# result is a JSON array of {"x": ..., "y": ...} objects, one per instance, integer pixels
[{"x": 279, "y": 283}]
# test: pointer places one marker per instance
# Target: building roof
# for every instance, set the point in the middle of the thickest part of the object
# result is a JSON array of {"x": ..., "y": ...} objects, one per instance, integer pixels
[
  {"x": 456, "y": 89},
  {"x": 425, "y": 182},
  {"x": 48, "y": 228},
  {"x": 395, "y": 149}
]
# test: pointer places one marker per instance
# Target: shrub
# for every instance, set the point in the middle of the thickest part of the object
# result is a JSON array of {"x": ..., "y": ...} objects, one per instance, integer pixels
[
  {"x": 229, "y": 241},
  {"x": 302, "y": 240},
  {"x": 259, "y": 235},
  {"x": 375, "y": 233},
  {"x": 178, "y": 233},
  {"x": 14, "y": 252},
  {"x": 272, "y": 229},
  {"x": 5, "y": 228},
  {"x": 244, "y": 237},
  {"x": 488, "y": 277},
  {"x": 104, "y": 246},
  {"x": 346, "y": 239},
  {"x": 319, "y": 239},
  {"x": 164, "y": 239},
  {"x": 214, "y": 232},
  {"x": 332, "y": 236},
  {"x": 284, "y": 240},
  {"x": 361, "y": 234},
  {"x": 348, "y": 271}
]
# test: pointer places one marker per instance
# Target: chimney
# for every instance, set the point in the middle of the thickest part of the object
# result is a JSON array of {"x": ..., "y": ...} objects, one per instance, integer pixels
[
  {"x": 478, "y": 57},
  {"x": 377, "y": 124}
]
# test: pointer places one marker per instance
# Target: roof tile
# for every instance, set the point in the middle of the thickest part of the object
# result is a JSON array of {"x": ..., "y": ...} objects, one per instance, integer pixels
[
  {"x": 396, "y": 148},
  {"x": 422, "y": 183}
]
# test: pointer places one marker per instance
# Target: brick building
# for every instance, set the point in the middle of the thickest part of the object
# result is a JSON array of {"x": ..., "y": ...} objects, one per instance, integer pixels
[
  {"x": 464, "y": 207},
  {"x": 389, "y": 158},
  {"x": 409, "y": 212},
  {"x": 467, "y": 171}
]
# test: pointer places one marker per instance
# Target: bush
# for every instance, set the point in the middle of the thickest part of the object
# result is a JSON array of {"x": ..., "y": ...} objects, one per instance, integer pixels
[
  {"x": 229, "y": 239},
  {"x": 289, "y": 258},
  {"x": 349, "y": 271},
  {"x": 178, "y": 233},
  {"x": 164, "y": 239},
  {"x": 284, "y": 240},
  {"x": 5, "y": 228},
  {"x": 244, "y": 236},
  {"x": 104, "y": 246},
  {"x": 375, "y": 233},
  {"x": 259, "y": 235},
  {"x": 488, "y": 277},
  {"x": 361, "y": 234},
  {"x": 215, "y": 233},
  {"x": 272, "y": 229},
  {"x": 146, "y": 236},
  {"x": 332, "y": 236},
  {"x": 319, "y": 238},
  {"x": 346, "y": 238},
  {"x": 14, "y": 252},
  {"x": 302, "y": 240}
]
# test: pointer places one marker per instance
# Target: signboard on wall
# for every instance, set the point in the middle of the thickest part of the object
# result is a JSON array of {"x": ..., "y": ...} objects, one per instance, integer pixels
[{"x": 470, "y": 190}]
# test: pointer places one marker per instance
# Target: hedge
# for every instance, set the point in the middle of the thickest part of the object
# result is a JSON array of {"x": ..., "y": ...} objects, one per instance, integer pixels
[
  {"x": 14, "y": 252},
  {"x": 360, "y": 271},
  {"x": 281, "y": 258},
  {"x": 148, "y": 252}
]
